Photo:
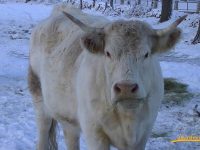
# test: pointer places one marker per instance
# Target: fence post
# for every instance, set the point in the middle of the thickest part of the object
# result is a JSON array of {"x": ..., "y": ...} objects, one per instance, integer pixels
[
  {"x": 176, "y": 5},
  {"x": 198, "y": 7}
]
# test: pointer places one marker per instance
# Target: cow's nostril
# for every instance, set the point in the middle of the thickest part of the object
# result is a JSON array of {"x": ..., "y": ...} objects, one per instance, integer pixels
[
  {"x": 117, "y": 88},
  {"x": 134, "y": 88}
]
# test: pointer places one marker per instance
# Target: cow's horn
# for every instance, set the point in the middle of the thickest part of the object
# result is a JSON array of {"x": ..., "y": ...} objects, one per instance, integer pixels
[
  {"x": 173, "y": 26},
  {"x": 83, "y": 26}
]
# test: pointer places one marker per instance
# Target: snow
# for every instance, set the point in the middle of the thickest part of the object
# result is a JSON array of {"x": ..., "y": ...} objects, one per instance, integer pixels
[
  {"x": 23, "y": 13},
  {"x": 17, "y": 122}
]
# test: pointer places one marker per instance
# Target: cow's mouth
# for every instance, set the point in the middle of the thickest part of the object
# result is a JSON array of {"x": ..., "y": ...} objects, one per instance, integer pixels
[{"x": 130, "y": 103}]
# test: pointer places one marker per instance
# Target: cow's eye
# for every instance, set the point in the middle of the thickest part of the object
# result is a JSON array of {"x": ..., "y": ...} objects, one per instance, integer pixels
[
  {"x": 146, "y": 55},
  {"x": 108, "y": 54}
]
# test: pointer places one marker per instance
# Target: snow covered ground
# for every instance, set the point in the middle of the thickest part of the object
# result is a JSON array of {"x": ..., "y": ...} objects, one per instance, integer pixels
[{"x": 17, "y": 122}]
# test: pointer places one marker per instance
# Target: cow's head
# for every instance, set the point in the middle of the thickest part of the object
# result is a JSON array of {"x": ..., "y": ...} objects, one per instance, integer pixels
[{"x": 128, "y": 48}]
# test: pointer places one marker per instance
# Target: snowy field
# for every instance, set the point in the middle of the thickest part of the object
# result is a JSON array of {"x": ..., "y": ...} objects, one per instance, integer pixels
[{"x": 17, "y": 122}]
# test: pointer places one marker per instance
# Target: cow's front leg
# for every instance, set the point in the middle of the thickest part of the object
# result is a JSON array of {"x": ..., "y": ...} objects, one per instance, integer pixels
[
  {"x": 95, "y": 138},
  {"x": 71, "y": 133}
]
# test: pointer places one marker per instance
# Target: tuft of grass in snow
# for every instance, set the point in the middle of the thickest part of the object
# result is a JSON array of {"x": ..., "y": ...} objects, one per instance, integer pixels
[
  {"x": 157, "y": 135},
  {"x": 175, "y": 92},
  {"x": 171, "y": 85}
]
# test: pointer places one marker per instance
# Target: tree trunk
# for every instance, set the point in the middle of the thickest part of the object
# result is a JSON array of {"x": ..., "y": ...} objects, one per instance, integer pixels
[
  {"x": 106, "y": 5},
  {"x": 81, "y": 4},
  {"x": 26, "y": 1},
  {"x": 94, "y": 3},
  {"x": 122, "y": 2},
  {"x": 197, "y": 37},
  {"x": 111, "y": 4},
  {"x": 138, "y": 2},
  {"x": 176, "y": 5},
  {"x": 166, "y": 10},
  {"x": 198, "y": 7},
  {"x": 154, "y": 4}
]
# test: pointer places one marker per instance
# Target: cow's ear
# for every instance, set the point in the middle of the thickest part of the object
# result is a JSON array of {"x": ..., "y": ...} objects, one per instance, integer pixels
[
  {"x": 165, "y": 41},
  {"x": 93, "y": 42}
]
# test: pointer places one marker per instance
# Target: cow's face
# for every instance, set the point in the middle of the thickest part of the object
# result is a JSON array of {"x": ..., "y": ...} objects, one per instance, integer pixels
[
  {"x": 127, "y": 49},
  {"x": 128, "y": 65}
]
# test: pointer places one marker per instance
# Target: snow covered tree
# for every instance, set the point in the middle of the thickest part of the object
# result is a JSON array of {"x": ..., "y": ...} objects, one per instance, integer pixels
[
  {"x": 197, "y": 37},
  {"x": 166, "y": 10}
]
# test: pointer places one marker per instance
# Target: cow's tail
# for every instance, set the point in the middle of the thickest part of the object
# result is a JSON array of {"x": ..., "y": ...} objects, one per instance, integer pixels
[{"x": 52, "y": 136}]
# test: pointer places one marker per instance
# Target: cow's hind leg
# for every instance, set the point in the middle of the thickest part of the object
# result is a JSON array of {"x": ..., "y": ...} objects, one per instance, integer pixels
[
  {"x": 71, "y": 133},
  {"x": 46, "y": 125}
]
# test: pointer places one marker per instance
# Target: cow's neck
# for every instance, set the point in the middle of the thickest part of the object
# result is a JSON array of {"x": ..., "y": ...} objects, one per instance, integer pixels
[{"x": 119, "y": 125}]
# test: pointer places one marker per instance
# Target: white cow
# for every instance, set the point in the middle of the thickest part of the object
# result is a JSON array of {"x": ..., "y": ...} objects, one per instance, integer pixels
[{"x": 97, "y": 76}]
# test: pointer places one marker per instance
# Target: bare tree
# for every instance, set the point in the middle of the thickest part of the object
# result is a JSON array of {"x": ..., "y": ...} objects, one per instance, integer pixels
[
  {"x": 166, "y": 10},
  {"x": 197, "y": 37}
]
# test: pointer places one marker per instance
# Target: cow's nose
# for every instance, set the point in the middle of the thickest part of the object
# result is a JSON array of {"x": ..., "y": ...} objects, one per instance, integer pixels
[{"x": 125, "y": 88}]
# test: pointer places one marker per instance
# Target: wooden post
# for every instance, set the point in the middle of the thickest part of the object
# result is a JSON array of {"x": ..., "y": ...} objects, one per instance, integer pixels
[
  {"x": 198, "y": 7},
  {"x": 176, "y": 5}
]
